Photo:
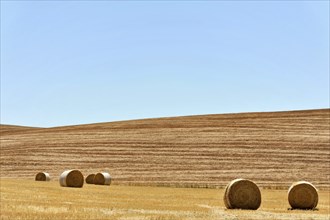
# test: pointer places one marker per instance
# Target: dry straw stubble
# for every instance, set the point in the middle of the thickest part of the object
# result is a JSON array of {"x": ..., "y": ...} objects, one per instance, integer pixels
[
  {"x": 242, "y": 194},
  {"x": 303, "y": 195},
  {"x": 72, "y": 178},
  {"x": 42, "y": 176}
]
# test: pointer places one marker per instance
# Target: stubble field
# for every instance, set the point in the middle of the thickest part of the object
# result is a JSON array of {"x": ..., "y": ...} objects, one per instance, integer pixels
[
  {"x": 273, "y": 149},
  {"x": 27, "y": 199},
  {"x": 200, "y": 154}
]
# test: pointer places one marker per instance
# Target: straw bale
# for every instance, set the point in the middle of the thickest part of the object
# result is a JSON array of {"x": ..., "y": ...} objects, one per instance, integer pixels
[
  {"x": 242, "y": 194},
  {"x": 303, "y": 195},
  {"x": 90, "y": 178},
  {"x": 72, "y": 178},
  {"x": 102, "y": 179},
  {"x": 42, "y": 176}
]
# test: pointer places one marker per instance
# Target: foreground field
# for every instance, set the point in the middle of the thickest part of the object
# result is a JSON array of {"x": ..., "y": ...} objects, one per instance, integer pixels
[
  {"x": 27, "y": 199},
  {"x": 273, "y": 148}
]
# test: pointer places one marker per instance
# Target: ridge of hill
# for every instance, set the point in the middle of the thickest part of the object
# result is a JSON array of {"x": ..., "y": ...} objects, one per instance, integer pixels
[
  {"x": 5, "y": 129},
  {"x": 272, "y": 148}
]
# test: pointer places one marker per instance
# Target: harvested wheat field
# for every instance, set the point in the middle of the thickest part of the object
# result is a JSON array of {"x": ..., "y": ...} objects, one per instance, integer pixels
[
  {"x": 47, "y": 200},
  {"x": 273, "y": 149}
]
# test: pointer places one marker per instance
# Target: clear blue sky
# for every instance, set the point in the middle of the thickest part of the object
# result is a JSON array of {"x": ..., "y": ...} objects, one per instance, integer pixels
[{"x": 83, "y": 62}]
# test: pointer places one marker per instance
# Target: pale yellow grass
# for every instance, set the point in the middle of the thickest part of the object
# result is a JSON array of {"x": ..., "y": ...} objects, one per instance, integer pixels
[{"x": 27, "y": 199}]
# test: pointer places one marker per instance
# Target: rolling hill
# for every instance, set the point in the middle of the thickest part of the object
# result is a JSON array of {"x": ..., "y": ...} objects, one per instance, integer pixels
[{"x": 272, "y": 148}]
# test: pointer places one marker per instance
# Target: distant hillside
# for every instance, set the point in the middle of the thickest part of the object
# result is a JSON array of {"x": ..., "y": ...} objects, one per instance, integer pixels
[
  {"x": 4, "y": 129},
  {"x": 272, "y": 148}
]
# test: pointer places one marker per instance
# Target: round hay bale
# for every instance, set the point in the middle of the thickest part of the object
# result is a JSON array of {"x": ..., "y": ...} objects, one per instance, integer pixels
[
  {"x": 42, "y": 176},
  {"x": 72, "y": 178},
  {"x": 242, "y": 194},
  {"x": 90, "y": 179},
  {"x": 303, "y": 195},
  {"x": 102, "y": 179}
]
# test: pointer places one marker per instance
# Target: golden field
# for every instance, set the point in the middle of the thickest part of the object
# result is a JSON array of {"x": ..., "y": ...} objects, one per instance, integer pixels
[
  {"x": 193, "y": 156},
  {"x": 274, "y": 149},
  {"x": 28, "y": 199}
]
